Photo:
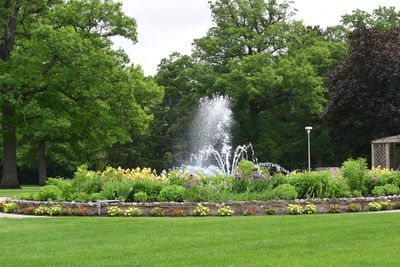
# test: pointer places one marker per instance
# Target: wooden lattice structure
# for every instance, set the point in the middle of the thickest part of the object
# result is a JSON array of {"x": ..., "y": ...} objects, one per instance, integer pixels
[{"x": 386, "y": 152}]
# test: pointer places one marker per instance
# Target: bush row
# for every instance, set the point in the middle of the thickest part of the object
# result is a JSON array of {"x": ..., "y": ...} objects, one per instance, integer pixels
[{"x": 250, "y": 182}]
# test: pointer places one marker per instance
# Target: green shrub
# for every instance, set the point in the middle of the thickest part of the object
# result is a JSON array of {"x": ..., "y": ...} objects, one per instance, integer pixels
[
  {"x": 385, "y": 205},
  {"x": 249, "y": 178},
  {"x": 117, "y": 190},
  {"x": 354, "y": 208},
  {"x": 200, "y": 210},
  {"x": 172, "y": 193},
  {"x": 140, "y": 197},
  {"x": 26, "y": 196},
  {"x": 11, "y": 207},
  {"x": 385, "y": 190},
  {"x": 225, "y": 211},
  {"x": 378, "y": 191},
  {"x": 390, "y": 189},
  {"x": 374, "y": 206},
  {"x": 200, "y": 193},
  {"x": 317, "y": 185},
  {"x": 1, "y": 206},
  {"x": 133, "y": 212},
  {"x": 220, "y": 182},
  {"x": 284, "y": 192},
  {"x": 48, "y": 193},
  {"x": 270, "y": 211},
  {"x": 86, "y": 181},
  {"x": 80, "y": 197},
  {"x": 151, "y": 187},
  {"x": 295, "y": 209},
  {"x": 65, "y": 186},
  {"x": 356, "y": 193},
  {"x": 278, "y": 179},
  {"x": 355, "y": 172},
  {"x": 95, "y": 196}
]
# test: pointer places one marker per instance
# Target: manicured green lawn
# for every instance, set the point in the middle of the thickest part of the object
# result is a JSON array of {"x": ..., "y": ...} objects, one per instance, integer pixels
[
  {"x": 370, "y": 239},
  {"x": 16, "y": 192}
]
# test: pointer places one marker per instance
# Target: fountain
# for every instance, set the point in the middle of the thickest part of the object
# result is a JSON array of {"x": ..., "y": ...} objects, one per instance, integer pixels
[{"x": 211, "y": 146}]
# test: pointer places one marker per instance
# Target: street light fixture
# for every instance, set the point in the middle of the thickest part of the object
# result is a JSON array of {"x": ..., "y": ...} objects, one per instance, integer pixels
[{"x": 308, "y": 129}]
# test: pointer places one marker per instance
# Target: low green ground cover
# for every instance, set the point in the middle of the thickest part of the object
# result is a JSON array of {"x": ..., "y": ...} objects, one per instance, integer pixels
[
  {"x": 26, "y": 189},
  {"x": 312, "y": 240}
]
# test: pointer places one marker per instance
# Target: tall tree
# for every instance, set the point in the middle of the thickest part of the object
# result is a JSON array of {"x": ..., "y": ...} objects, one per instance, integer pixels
[
  {"x": 70, "y": 86},
  {"x": 364, "y": 90}
]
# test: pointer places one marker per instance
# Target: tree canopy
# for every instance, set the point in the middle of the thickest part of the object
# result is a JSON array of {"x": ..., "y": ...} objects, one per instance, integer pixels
[
  {"x": 63, "y": 83},
  {"x": 364, "y": 90}
]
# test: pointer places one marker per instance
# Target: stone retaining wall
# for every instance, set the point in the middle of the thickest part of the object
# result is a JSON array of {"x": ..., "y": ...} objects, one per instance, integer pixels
[{"x": 239, "y": 207}]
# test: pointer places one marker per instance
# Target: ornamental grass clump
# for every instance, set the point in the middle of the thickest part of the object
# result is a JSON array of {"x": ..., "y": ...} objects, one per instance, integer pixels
[
  {"x": 374, "y": 206},
  {"x": 249, "y": 212},
  {"x": 334, "y": 209},
  {"x": 200, "y": 210},
  {"x": 178, "y": 213},
  {"x": 310, "y": 209},
  {"x": 295, "y": 209},
  {"x": 114, "y": 211},
  {"x": 225, "y": 211},
  {"x": 132, "y": 212},
  {"x": 157, "y": 212},
  {"x": 270, "y": 211},
  {"x": 385, "y": 205}
]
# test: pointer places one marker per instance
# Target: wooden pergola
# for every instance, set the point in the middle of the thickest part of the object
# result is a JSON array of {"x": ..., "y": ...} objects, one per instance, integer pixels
[{"x": 385, "y": 152}]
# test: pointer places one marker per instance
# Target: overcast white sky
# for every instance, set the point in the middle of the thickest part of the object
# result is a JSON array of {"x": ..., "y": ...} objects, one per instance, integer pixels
[{"x": 165, "y": 26}]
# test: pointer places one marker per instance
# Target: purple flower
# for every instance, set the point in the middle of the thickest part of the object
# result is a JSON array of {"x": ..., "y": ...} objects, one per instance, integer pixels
[
  {"x": 186, "y": 186},
  {"x": 373, "y": 180},
  {"x": 238, "y": 175},
  {"x": 256, "y": 176},
  {"x": 267, "y": 180}
]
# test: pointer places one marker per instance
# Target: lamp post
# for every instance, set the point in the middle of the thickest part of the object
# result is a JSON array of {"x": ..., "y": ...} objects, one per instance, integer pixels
[{"x": 308, "y": 129}]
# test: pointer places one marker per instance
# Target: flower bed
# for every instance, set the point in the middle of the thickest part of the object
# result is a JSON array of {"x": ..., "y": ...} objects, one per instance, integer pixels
[{"x": 181, "y": 209}]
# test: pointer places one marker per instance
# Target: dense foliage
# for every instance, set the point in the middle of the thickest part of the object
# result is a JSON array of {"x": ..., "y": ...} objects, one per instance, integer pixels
[
  {"x": 249, "y": 183},
  {"x": 68, "y": 98}
]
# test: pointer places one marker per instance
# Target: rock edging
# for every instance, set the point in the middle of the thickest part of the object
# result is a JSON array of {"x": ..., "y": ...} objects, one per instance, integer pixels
[{"x": 322, "y": 205}]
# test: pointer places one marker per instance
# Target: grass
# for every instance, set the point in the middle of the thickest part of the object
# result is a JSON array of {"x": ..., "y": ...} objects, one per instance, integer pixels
[
  {"x": 17, "y": 192},
  {"x": 369, "y": 239}
]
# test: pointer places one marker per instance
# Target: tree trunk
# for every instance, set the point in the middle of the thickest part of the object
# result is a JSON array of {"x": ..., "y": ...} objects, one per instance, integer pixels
[
  {"x": 42, "y": 163},
  {"x": 10, "y": 179},
  {"x": 7, "y": 39}
]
